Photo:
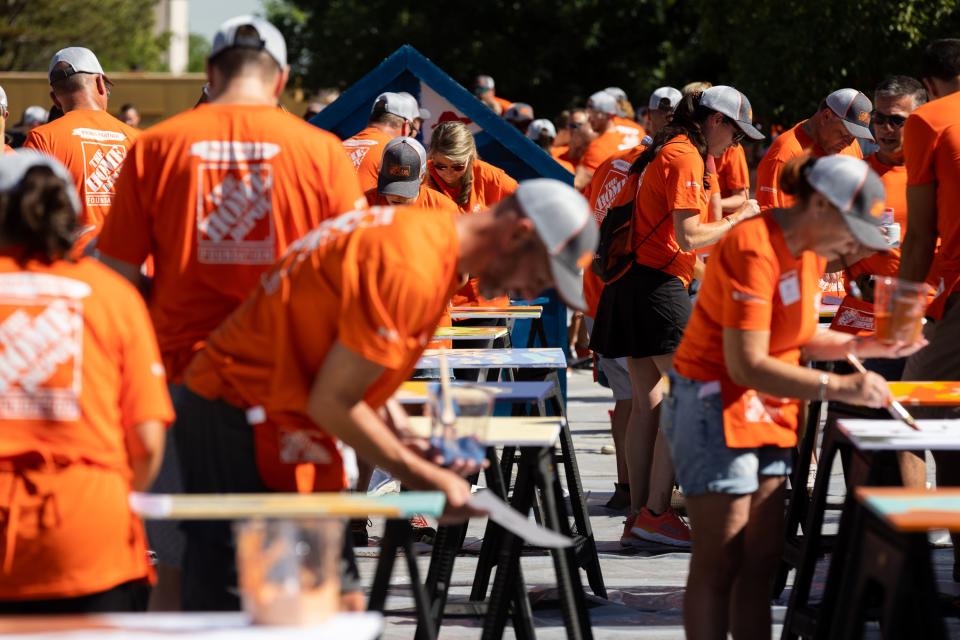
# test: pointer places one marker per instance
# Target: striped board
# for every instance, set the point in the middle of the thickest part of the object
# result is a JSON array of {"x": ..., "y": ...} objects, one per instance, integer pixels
[
  {"x": 236, "y": 506},
  {"x": 457, "y": 334},
  {"x": 926, "y": 394},
  {"x": 542, "y": 358},
  {"x": 512, "y": 431},
  {"x": 468, "y": 313},
  {"x": 914, "y": 510}
]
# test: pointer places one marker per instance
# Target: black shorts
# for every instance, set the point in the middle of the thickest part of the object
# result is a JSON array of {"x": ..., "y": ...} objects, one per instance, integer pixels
[
  {"x": 642, "y": 314},
  {"x": 129, "y": 597},
  {"x": 216, "y": 450}
]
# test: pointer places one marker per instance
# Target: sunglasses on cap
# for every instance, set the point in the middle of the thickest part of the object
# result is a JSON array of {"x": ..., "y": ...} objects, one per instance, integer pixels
[
  {"x": 457, "y": 166},
  {"x": 882, "y": 118}
]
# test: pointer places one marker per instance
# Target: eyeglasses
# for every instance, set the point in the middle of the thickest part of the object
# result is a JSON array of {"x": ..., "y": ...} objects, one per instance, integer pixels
[
  {"x": 738, "y": 133},
  {"x": 894, "y": 121},
  {"x": 573, "y": 126},
  {"x": 459, "y": 166}
]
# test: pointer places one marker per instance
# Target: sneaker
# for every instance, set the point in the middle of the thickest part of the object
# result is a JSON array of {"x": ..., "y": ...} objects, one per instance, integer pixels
[
  {"x": 620, "y": 499},
  {"x": 628, "y": 539},
  {"x": 422, "y": 531},
  {"x": 667, "y": 528}
]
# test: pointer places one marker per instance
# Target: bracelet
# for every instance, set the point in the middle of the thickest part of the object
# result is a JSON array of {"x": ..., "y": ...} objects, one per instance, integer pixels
[{"x": 822, "y": 391}]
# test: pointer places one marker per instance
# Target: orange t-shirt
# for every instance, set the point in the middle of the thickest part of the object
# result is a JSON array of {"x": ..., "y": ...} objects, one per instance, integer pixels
[
  {"x": 92, "y": 145},
  {"x": 788, "y": 145},
  {"x": 606, "y": 190},
  {"x": 754, "y": 283},
  {"x": 631, "y": 132},
  {"x": 562, "y": 155},
  {"x": 385, "y": 274},
  {"x": 79, "y": 368},
  {"x": 672, "y": 181},
  {"x": 732, "y": 171},
  {"x": 216, "y": 195},
  {"x": 931, "y": 148},
  {"x": 601, "y": 148},
  {"x": 504, "y": 104},
  {"x": 490, "y": 185},
  {"x": 427, "y": 199},
  {"x": 885, "y": 263},
  {"x": 366, "y": 153}
]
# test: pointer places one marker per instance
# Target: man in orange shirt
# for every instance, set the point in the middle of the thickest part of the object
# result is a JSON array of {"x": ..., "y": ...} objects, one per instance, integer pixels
[
  {"x": 576, "y": 136},
  {"x": 87, "y": 138},
  {"x": 392, "y": 116},
  {"x": 844, "y": 116},
  {"x": 601, "y": 110},
  {"x": 216, "y": 194},
  {"x": 331, "y": 333},
  {"x": 661, "y": 105},
  {"x": 485, "y": 89},
  {"x": 403, "y": 172},
  {"x": 631, "y": 131},
  {"x": 931, "y": 146}
]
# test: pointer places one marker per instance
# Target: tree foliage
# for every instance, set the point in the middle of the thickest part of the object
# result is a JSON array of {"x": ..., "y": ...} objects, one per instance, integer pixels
[
  {"x": 785, "y": 55},
  {"x": 120, "y": 32}
]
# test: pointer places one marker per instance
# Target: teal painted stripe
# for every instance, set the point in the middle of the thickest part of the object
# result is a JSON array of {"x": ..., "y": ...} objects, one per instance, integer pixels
[
  {"x": 428, "y": 503},
  {"x": 888, "y": 505}
]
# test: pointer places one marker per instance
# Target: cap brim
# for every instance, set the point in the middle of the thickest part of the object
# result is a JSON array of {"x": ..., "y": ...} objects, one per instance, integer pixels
[
  {"x": 858, "y": 130},
  {"x": 750, "y": 131},
  {"x": 867, "y": 234},
  {"x": 399, "y": 188},
  {"x": 568, "y": 283}
]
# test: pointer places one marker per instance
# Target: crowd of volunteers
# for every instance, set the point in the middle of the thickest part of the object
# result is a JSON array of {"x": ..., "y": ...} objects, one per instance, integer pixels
[{"x": 228, "y": 300}]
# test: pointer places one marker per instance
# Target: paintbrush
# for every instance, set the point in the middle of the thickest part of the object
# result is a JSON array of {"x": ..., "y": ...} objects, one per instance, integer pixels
[{"x": 895, "y": 408}]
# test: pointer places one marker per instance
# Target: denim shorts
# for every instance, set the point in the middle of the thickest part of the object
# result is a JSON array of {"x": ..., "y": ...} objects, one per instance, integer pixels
[{"x": 692, "y": 420}]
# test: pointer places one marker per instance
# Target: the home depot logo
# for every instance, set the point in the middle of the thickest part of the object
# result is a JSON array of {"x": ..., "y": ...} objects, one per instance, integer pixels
[
  {"x": 234, "y": 206},
  {"x": 41, "y": 347},
  {"x": 612, "y": 185},
  {"x": 358, "y": 149},
  {"x": 103, "y": 156}
]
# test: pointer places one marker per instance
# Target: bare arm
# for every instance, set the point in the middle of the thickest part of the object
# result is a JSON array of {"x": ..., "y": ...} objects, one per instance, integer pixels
[
  {"x": 336, "y": 402},
  {"x": 748, "y": 360},
  {"x": 735, "y": 200},
  {"x": 920, "y": 242},
  {"x": 145, "y": 443},
  {"x": 126, "y": 269},
  {"x": 827, "y": 345},
  {"x": 582, "y": 178},
  {"x": 693, "y": 234}
]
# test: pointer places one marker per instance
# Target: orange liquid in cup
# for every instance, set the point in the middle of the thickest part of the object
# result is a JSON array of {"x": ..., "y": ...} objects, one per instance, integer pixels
[{"x": 899, "y": 309}]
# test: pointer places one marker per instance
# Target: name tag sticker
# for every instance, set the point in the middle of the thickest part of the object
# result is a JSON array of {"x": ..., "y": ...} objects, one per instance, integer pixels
[{"x": 789, "y": 288}]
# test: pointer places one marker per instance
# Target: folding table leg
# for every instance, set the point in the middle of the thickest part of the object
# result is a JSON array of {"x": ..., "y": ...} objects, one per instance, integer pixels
[
  {"x": 393, "y": 536},
  {"x": 573, "y": 603},
  {"x": 425, "y": 628},
  {"x": 448, "y": 542},
  {"x": 493, "y": 534},
  {"x": 508, "y": 585}
]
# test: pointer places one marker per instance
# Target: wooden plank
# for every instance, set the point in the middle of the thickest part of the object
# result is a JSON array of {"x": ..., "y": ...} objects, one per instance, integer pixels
[
  {"x": 284, "y": 505},
  {"x": 470, "y": 333},
  {"x": 417, "y": 391},
  {"x": 506, "y": 431},
  {"x": 914, "y": 510},
  {"x": 548, "y": 358},
  {"x": 927, "y": 394},
  {"x": 894, "y": 435}
]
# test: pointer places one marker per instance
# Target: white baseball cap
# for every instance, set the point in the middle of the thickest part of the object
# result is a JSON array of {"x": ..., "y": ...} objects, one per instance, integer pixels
[
  {"x": 562, "y": 218},
  {"x": 78, "y": 59},
  {"x": 665, "y": 98},
  {"x": 734, "y": 105},
  {"x": 404, "y": 106},
  {"x": 603, "y": 102},
  {"x": 35, "y": 114},
  {"x": 14, "y": 166},
  {"x": 4, "y": 105},
  {"x": 617, "y": 93},
  {"x": 268, "y": 38},
  {"x": 539, "y": 127}
]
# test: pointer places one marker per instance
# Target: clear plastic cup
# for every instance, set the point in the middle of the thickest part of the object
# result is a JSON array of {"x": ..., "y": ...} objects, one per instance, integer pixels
[
  {"x": 465, "y": 437},
  {"x": 898, "y": 309},
  {"x": 289, "y": 570}
]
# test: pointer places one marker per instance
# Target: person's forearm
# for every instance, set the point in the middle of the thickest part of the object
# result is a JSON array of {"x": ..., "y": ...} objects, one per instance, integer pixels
[
  {"x": 917, "y": 255},
  {"x": 145, "y": 444},
  {"x": 776, "y": 378},
  {"x": 705, "y": 234},
  {"x": 582, "y": 178},
  {"x": 734, "y": 201},
  {"x": 828, "y": 345}
]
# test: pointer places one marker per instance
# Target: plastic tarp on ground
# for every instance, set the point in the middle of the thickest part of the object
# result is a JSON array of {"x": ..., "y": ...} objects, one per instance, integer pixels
[{"x": 498, "y": 142}]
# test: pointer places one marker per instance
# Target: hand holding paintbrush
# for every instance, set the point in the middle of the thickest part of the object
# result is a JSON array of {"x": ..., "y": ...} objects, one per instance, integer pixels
[{"x": 895, "y": 408}]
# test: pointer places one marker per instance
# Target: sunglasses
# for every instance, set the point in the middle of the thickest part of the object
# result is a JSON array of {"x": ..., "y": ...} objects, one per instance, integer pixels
[
  {"x": 574, "y": 125},
  {"x": 459, "y": 166},
  {"x": 894, "y": 121},
  {"x": 738, "y": 133}
]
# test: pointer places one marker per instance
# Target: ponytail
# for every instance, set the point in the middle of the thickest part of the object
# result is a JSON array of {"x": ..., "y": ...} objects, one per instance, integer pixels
[
  {"x": 38, "y": 216},
  {"x": 793, "y": 177},
  {"x": 687, "y": 121}
]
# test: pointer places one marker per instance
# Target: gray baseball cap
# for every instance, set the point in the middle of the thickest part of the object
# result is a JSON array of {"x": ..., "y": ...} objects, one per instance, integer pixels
[
  {"x": 268, "y": 38},
  {"x": 484, "y": 82},
  {"x": 14, "y": 166},
  {"x": 404, "y": 163},
  {"x": 665, "y": 98},
  {"x": 539, "y": 127},
  {"x": 519, "y": 112},
  {"x": 403, "y": 106},
  {"x": 854, "y": 109},
  {"x": 35, "y": 114},
  {"x": 734, "y": 105},
  {"x": 857, "y": 191},
  {"x": 603, "y": 102},
  {"x": 562, "y": 218},
  {"x": 78, "y": 60}
]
